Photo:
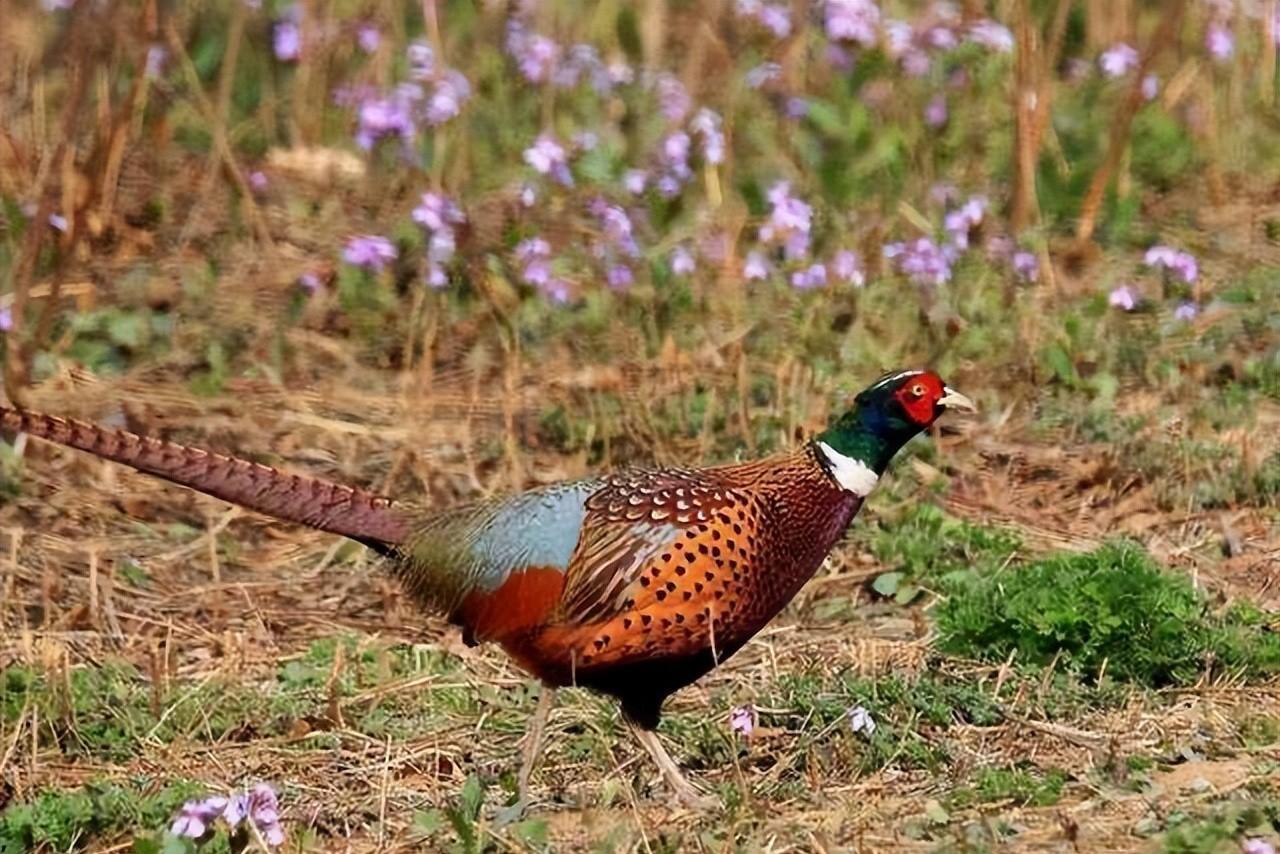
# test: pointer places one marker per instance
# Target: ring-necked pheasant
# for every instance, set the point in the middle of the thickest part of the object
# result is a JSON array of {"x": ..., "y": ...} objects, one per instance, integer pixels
[{"x": 634, "y": 584}]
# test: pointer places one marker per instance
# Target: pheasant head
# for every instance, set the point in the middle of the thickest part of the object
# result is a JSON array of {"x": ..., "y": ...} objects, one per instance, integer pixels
[{"x": 859, "y": 444}]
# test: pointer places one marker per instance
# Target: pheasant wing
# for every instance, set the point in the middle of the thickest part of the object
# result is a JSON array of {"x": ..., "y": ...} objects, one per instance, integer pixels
[{"x": 630, "y": 521}]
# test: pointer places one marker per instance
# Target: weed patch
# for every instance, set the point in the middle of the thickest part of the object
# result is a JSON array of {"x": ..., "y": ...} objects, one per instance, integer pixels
[{"x": 1112, "y": 610}]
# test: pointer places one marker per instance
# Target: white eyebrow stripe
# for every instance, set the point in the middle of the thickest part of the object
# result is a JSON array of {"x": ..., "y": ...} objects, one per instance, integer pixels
[{"x": 895, "y": 377}]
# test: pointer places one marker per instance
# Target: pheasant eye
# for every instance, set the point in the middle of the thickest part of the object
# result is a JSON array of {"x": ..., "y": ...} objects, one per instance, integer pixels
[{"x": 917, "y": 390}]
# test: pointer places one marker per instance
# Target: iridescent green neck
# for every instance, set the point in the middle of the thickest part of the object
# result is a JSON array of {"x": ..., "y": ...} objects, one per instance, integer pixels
[{"x": 867, "y": 433}]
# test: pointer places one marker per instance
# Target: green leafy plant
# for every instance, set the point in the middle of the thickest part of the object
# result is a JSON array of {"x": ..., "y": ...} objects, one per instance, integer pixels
[{"x": 1112, "y": 609}]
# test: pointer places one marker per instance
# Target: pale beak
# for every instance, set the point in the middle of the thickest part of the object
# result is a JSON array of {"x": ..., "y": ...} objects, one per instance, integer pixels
[{"x": 952, "y": 399}]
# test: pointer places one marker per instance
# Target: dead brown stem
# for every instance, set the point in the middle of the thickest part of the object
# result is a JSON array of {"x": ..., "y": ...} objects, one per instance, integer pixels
[
  {"x": 1120, "y": 126},
  {"x": 20, "y": 348}
]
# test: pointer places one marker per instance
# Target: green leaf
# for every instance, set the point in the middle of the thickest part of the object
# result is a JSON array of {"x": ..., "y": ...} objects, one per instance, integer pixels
[
  {"x": 531, "y": 831},
  {"x": 128, "y": 330},
  {"x": 427, "y": 823},
  {"x": 906, "y": 592},
  {"x": 886, "y": 583},
  {"x": 472, "y": 797}
]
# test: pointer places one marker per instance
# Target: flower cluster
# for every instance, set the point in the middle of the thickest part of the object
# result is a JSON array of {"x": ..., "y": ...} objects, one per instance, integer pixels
[
  {"x": 549, "y": 157},
  {"x": 922, "y": 260},
  {"x": 438, "y": 215},
  {"x": 963, "y": 220},
  {"x": 774, "y": 17},
  {"x": 369, "y": 252},
  {"x": 854, "y": 21},
  {"x": 534, "y": 257},
  {"x": 542, "y": 60},
  {"x": 1124, "y": 298},
  {"x": 790, "y": 221},
  {"x": 742, "y": 721},
  {"x": 618, "y": 245},
  {"x": 434, "y": 95},
  {"x": 286, "y": 35},
  {"x": 1176, "y": 262},
  {"x": 257, "y": 809},
  {"x": 1118, "y": 60}
]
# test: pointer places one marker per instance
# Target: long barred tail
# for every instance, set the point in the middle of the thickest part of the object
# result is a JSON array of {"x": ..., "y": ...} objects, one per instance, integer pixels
[{"x": 354, "y": 513}]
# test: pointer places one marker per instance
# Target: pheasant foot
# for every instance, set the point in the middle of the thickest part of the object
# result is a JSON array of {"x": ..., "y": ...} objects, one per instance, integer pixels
[{"x": 685, "y": 792}]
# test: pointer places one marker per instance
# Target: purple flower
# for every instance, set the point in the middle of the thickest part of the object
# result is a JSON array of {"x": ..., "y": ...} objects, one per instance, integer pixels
[
  {"x": 56, "y": 5},
  {"x": 847, "y": 267},
  {"x": 528, "y": 195},
  {"x": 258, "y": 181},
  {"x": 675, "y": 150},
  {"x": 1219, "y": 41},
  {"x": 673, "y": 99},
  {"x": 437, "y": 212},
  {"x": 261, "y": 807},
  {"x": 774, "y": 17},
  {"x": 742, "y": 721},
  {"x": 536, "y": 55},
  {"x": 860, "y": 721},
  {"x": 1150, "y": 87},
  {"x": 451, "y": 91},
  {"x": 157, "y": 55},
  {"x": 796, "y": 108},
  {"x": 635, "y": 180},
  {"x": 195, "y": 817},
  {"x": 921, "y": 260},
  {"x": 1123, "y": 298},
  {"x": 813, "y": 276},
  {"x": 1254, "y": 845},
  {"x": 682, "y": 261},
  {"x": 556, "y": 290},
  {"x": 548, "y": 157},
  {"x": 309, "y": 282},
  {"x": 380, "y": 117},
  {"x": 960, "y": 222},
  {"x": 618, "y": 230},
  {"x": 58, "y": 222},
  {"x": 755, "y": 267},
  {"x": 1025, "y": 265},
  {"x": 368, "y": 37},
  {"x": 534, "y": 257},
  {"x": 992, "y": 35},
  {"x": 6, "y": 319},
  {"x": 935, "y": 112},
  {"x": 619, "y": 277},
  {"x": 707, "y": 124},
  {"x": 1181, "y": 264},
  {"x": 370, "y": 252},
  {"x": 584, "y": 63},
  {"x": 286, "y": 40},
  {"x": 531, "y": 249},
  {"x": 1186, "y": 311},
  {"x": 855, "y": 21},
  {"x": 422, "y": 60},
  {"x": 1118, "y": 60},
  {"x": 790, "y": 220},
  {"x": 762, "y": 74}
]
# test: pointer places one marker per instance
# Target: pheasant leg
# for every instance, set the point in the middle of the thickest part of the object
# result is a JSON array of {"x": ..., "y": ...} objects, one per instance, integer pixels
[
  {"x": 531, "y": 753},
  {"x": 684, "y": 791}
]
